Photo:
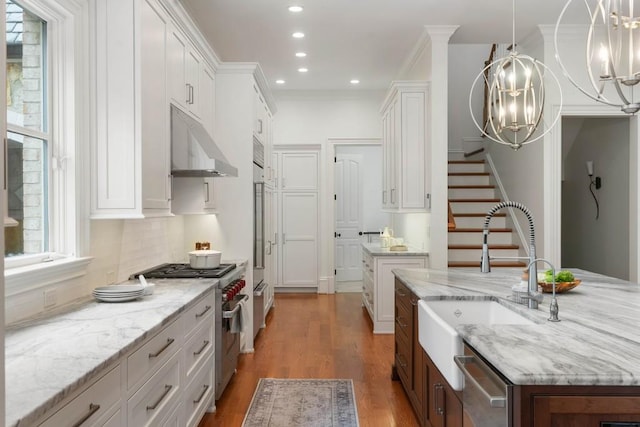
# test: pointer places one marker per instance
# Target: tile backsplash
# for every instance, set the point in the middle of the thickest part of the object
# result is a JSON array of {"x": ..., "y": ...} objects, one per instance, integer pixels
[{"x": 118, "y": 248}]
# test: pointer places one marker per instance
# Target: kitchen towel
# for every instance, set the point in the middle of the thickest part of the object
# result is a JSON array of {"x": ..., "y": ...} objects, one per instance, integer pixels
[{"x": 239, "y": 321}]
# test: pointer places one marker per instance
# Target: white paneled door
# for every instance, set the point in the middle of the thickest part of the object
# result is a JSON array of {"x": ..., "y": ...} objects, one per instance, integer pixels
[
  {"x": 300, "y": 239},
  {"x": 348, "y": 182}
]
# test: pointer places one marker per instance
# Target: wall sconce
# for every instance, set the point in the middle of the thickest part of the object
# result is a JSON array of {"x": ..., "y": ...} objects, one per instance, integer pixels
[{"x": 594, "y": 182}]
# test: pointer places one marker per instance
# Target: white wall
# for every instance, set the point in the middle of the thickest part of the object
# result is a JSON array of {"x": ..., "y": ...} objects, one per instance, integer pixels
[
  {"x": 466, "y": 61},
  {"x": 314, "y": 117},
  {"x": 600, "y": 245}
]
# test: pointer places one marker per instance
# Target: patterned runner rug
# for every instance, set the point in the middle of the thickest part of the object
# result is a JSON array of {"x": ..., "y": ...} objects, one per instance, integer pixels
[{"x": 297, "y": 403}]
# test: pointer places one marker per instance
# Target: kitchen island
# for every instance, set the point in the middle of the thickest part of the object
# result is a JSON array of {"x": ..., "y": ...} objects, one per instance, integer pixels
[
  {"x": 51, "y": 359},
  {"x": 588, "y": 361}
]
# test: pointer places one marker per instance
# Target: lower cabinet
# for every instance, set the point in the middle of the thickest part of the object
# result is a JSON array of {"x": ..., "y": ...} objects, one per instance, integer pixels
[
  {"x": 444, "y": 405},
  {"x": 168, "y": 380},
  {"x": 434, "y": 402},
  {"x": 576, "y": 406},
  {"x": 378, "y": 287}
]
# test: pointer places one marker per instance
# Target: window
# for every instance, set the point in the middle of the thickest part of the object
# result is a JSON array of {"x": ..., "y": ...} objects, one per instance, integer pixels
[
  {"x": 27, "y": 138},
  {"x": 47, "y": 65}
]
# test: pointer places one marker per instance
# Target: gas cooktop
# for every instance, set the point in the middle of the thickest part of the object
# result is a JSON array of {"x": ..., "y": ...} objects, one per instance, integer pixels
[{"x": 184, "y": 271}]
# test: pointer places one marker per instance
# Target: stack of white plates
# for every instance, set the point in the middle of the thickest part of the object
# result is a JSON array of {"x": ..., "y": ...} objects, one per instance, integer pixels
[{"x": 118, "y": 293}]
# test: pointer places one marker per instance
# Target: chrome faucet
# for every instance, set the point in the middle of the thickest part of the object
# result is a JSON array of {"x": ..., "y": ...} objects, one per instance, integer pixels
[
  {"x": 553, "y": 307},
  {"x": 533, "y": 296}
]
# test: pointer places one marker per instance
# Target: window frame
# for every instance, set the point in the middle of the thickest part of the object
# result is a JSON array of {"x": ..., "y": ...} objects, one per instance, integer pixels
[{"x": 68, "y": 118}]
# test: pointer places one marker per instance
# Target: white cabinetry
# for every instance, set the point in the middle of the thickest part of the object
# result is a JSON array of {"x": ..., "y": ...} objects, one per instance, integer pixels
[
  {"x": 131, "y": 152},
  {"x": 298, "y": 214},
  {"x": 166, "y": 381},
  {"x": 378, "y": 287},
  {"x": 184, "y": 65},
  {"x": 96, "y": 406},
  {"x": 405, "y": 167}
]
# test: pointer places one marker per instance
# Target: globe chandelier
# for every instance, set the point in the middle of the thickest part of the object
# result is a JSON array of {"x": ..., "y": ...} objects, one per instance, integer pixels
[
  {"x": 514, "y": 97},
  {"x": 612, "y": 52}
]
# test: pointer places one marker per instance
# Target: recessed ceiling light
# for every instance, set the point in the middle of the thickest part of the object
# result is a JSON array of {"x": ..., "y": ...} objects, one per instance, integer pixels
[
  {"x": 301, "y": 54},
  {"x": 295, "y": 9},
  {"x": 280, "y": 82},
  {"x": 303, "y": 70},
  {"x": 297, "y": 35},
  {"x": 355, "y": 81}
]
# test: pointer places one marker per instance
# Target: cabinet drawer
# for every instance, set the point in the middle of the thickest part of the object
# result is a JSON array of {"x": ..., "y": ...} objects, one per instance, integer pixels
[
  {"x": 91, "y": 405},
  {"x": 154, "y": 353},
  {"x": 402, "y": 294},
  {"x": 149, "y": 405},
  {"x": 198, "y": 395},
  {"x": 198, "y": 314},
  {"x": 404, "y": 321},
  {"x": 198, "y": 348},
  {"x": 115, "y": 420}
]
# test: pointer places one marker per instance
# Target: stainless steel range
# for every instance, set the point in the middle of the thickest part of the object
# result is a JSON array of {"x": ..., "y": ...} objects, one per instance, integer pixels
[{"x": 228, "y": 298}]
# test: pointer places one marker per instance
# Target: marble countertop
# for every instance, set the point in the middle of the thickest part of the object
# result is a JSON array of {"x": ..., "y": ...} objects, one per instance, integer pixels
[
  {"x": 375, "y": 249},
  {"x": 596, "y": 342},
  {"x": 49, "y": 358}
]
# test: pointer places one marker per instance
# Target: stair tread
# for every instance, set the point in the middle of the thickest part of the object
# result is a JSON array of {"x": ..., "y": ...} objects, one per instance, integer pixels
[
  {"x": 466, "y": 162},
  {"x": 494, "y": 246},
  {"x": 468, "y": 174},
  {"x": 478, "y": 215},
  {"x": 479, "y": 230},
  {"x": 470, "y": 187},
  {"x": 493, "y": 264},
  {"x": 472, "y": 200}
]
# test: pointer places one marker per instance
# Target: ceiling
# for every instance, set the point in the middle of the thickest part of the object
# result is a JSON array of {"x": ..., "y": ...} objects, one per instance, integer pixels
[{"x": 367, "y": 40}]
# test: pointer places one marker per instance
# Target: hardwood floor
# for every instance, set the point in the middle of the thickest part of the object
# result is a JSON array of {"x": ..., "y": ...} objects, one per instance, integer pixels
[{"x": 320, "y": 336}]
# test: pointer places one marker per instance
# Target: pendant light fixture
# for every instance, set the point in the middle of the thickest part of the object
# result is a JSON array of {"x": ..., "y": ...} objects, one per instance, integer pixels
[
  {"x": 612, "y": 52},
  {"x": 514, "y": 97}
]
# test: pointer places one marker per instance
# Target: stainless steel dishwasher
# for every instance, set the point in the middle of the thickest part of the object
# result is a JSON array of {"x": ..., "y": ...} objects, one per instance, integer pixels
[{"x": 486, "y": 396}]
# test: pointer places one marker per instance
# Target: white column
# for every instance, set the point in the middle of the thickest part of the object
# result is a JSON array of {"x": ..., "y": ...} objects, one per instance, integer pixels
[{"x": 439, "y": 141}]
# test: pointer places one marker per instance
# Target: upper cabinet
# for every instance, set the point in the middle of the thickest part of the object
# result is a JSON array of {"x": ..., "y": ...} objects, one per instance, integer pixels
[
  {"x": 262, "y": 132},
  {"x": 405, "y": 177},
  {"x": 130, "y": 152},
  {"x": 185, "y": 67},
  {"x": 142, "y": 63}
]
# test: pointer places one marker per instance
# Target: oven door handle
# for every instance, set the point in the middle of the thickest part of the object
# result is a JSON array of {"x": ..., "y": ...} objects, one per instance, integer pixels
[
  {"x": 494, "y": 401},
  {"x": 229, "y": 314}
]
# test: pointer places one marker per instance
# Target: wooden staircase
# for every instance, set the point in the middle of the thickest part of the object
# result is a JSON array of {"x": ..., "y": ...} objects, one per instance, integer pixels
[{"x": 471, "y": 196}]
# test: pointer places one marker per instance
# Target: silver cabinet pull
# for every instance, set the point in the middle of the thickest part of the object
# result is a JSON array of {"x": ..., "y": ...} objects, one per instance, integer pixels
[
  {"x": 159, "y": 352},
  {"x": 494, "y": 401},
  {"x": 260, "y": 126},
  {"x": 204, "y": 345},
  {"x": 191, "y": 95},
  {"x": 93, "y": 408},
  {"x": 400, "y": 293},
  {"x": 413, "y": 301},
  {"x": 438, "y": 390},
  {"x": 384, "y": 196},
  {"x": 167, "y": 389},
  {"x": 207, "y": 308},
  {"x": 393, "y": 191},
  {"x": 188, "y": 100},
  {"x": 399, "y": 322},
  {"x": 204, "y": 391},
  {"x": 206, "y": 192}
]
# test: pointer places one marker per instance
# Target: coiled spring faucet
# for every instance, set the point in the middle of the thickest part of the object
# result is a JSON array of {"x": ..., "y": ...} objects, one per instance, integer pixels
[{"x": 533, "y": 297}]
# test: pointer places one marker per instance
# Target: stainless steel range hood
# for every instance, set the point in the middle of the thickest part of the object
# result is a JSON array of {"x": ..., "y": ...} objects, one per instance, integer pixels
[{"x": 193, "y": 151}]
